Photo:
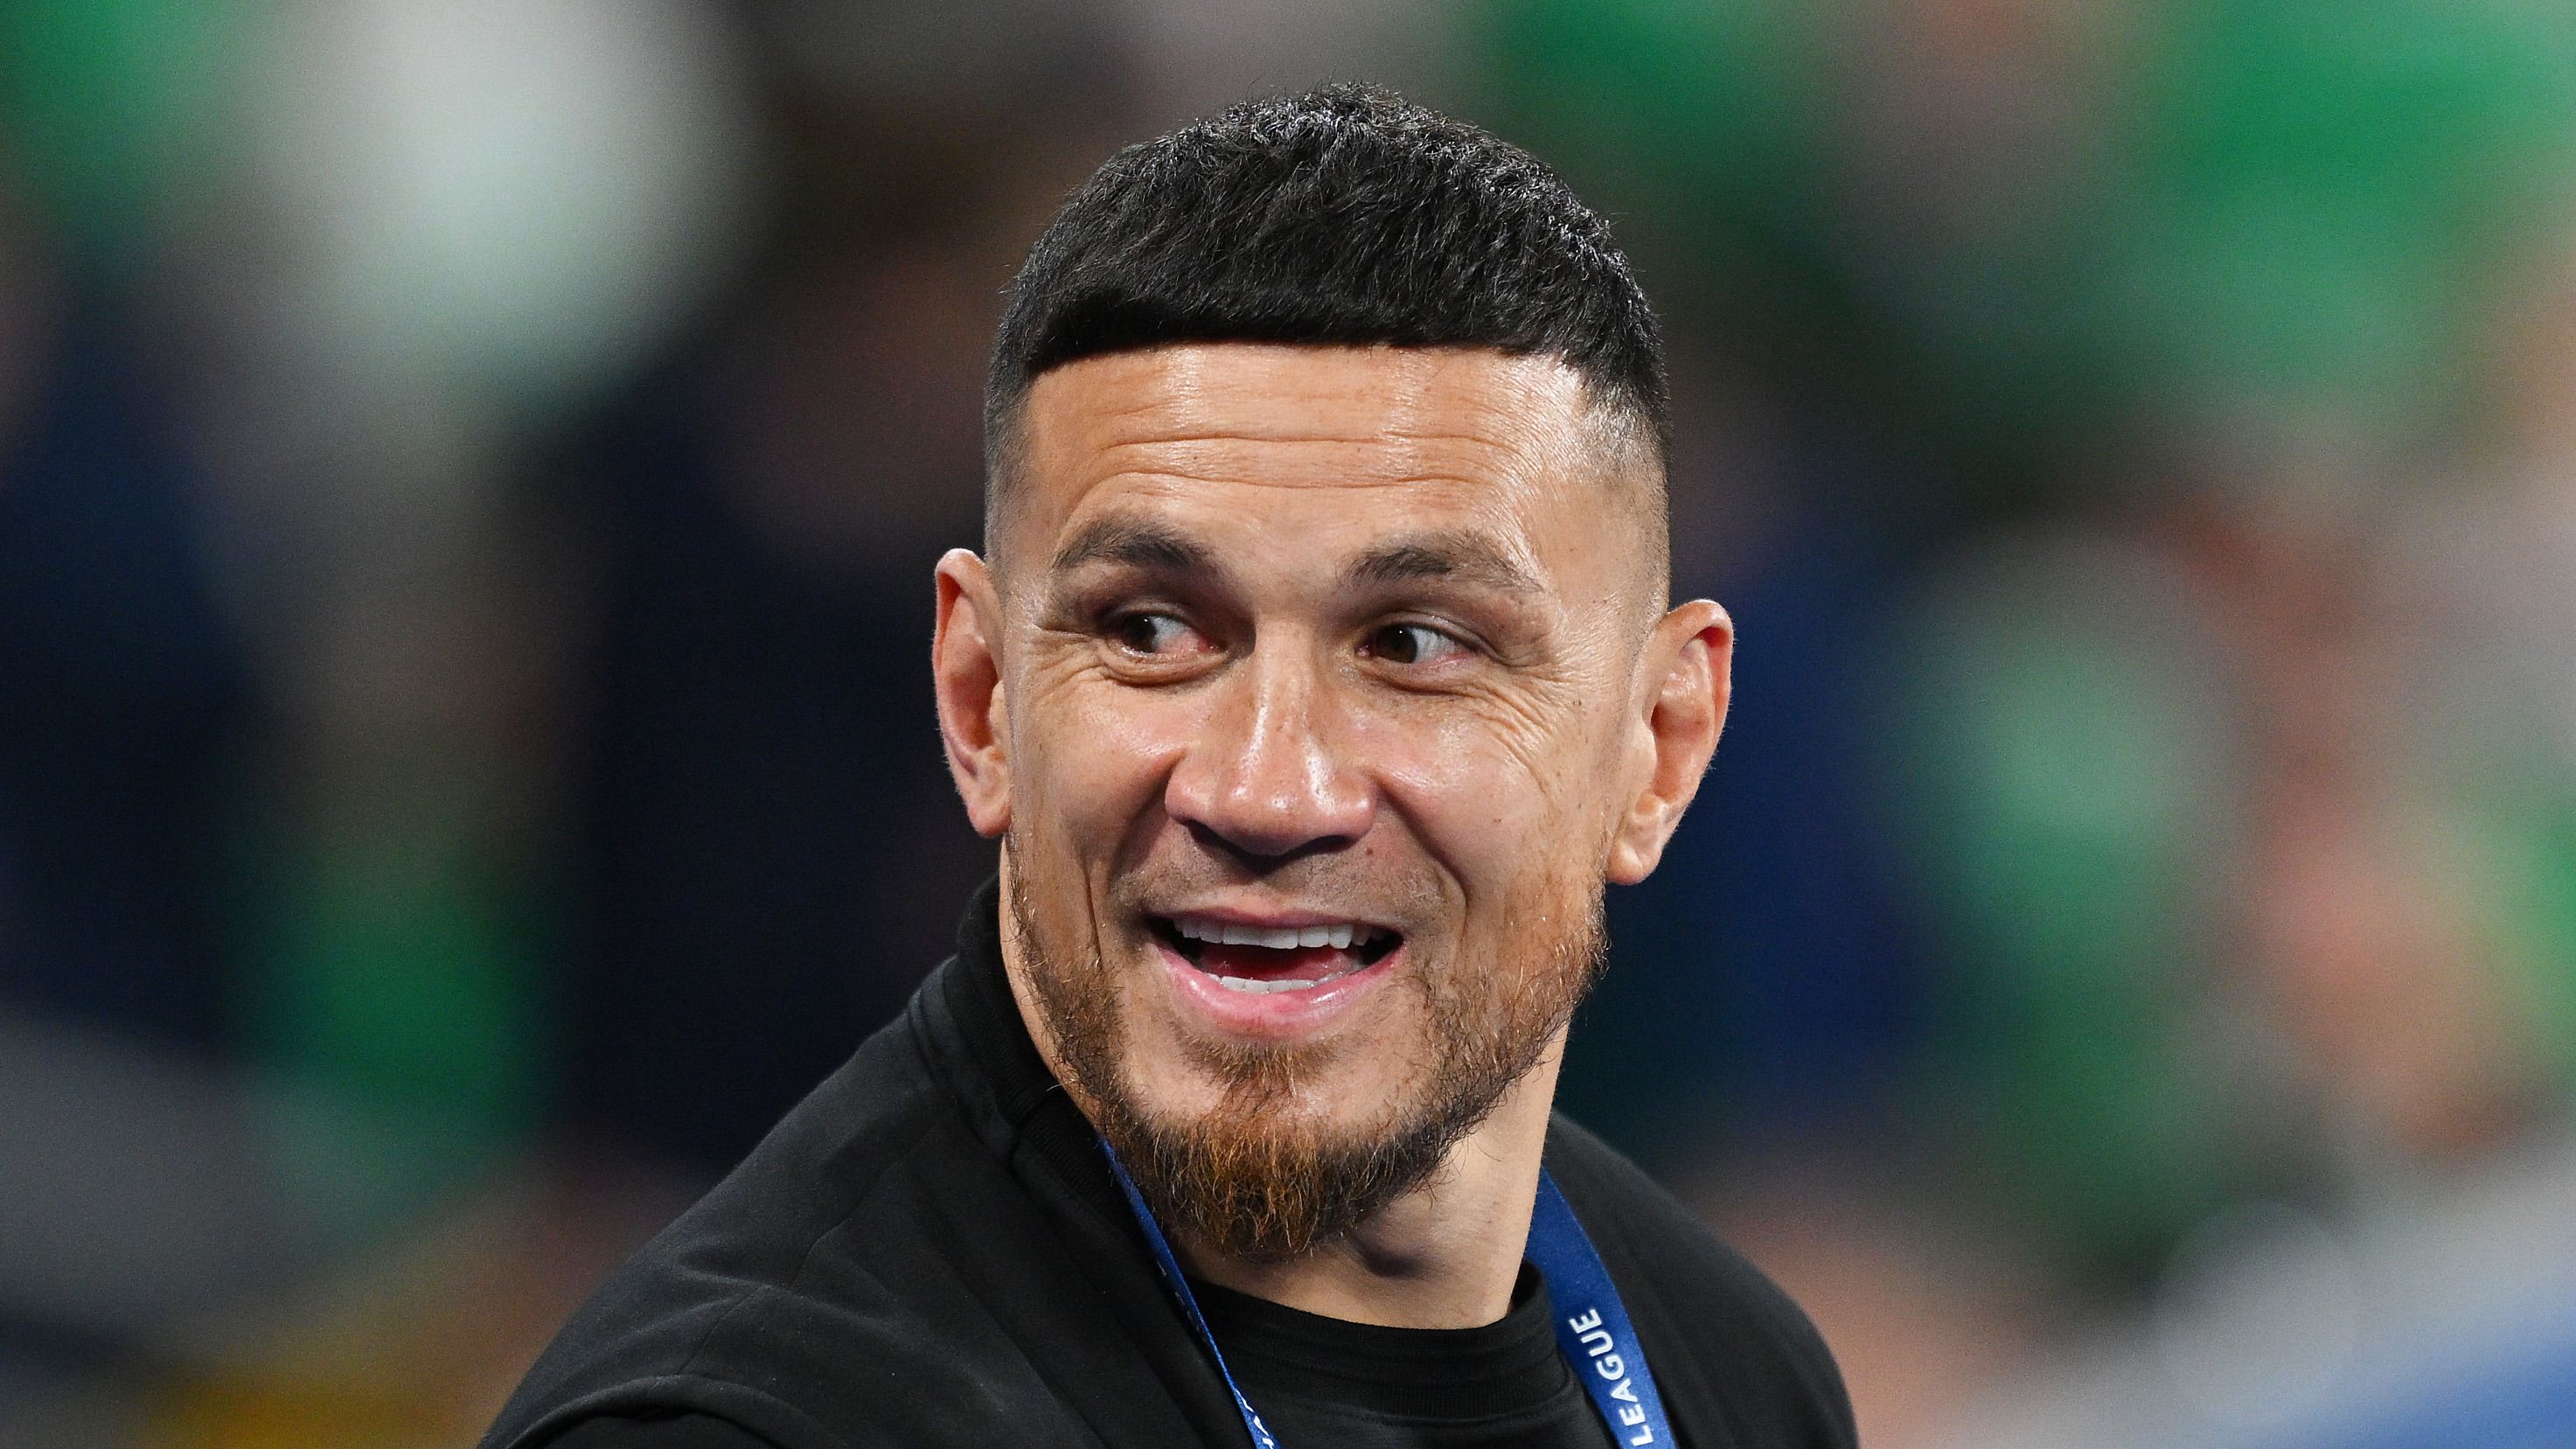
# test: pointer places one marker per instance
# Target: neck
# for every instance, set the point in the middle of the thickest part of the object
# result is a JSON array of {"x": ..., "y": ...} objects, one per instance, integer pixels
[{"x": 1442, "y": 1256}]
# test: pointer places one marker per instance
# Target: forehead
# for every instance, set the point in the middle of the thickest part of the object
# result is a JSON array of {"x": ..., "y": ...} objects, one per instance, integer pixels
[{"x": 1317, "y": 434}]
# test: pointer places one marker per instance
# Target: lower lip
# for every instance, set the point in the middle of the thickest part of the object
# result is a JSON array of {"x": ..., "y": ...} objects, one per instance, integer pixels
[{"x": 1274, "y": 1015}]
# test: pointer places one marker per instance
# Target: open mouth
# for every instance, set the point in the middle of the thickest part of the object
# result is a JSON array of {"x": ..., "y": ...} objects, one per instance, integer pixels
[{"x": 1260, "y": 959}]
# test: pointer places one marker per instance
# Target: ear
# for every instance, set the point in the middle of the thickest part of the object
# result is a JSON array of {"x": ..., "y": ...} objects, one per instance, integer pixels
[
  {"x": 966, "y": 669},
  {"x": 1689, "y": 659}
]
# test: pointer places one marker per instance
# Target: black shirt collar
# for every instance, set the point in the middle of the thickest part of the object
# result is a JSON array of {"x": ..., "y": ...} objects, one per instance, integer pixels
[
  {"x": 977, "y": 992},
  {"x": 1509, "y": 1366},
  {"x": 979, "y": 1048}
]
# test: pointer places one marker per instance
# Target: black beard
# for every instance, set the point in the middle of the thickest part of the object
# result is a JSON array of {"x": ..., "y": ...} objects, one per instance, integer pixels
[{"x": 1242, "y": 1182}]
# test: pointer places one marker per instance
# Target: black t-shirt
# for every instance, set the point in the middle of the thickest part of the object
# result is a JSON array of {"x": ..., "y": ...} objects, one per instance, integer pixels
[
  {"x": 1322, "y": 1382},
  {"x": 1319, "y": 1381},
  {"x": 930, "y": 1251}
]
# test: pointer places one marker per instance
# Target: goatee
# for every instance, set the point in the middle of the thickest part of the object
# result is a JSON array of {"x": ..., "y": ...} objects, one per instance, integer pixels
[{"x": 1248, "y": 1180}]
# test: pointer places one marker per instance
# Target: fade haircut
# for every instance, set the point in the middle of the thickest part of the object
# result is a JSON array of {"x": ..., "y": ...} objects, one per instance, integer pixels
[{"x": 1346, "y": 216}]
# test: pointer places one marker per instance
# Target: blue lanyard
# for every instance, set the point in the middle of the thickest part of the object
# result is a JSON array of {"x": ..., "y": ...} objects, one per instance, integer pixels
[{"x": 1592, "y": 1328}]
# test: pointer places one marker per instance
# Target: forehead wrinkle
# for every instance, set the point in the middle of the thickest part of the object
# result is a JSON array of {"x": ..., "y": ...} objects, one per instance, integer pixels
[
  {"x": 1155, "y": 483},
  {"x": 1314, "y": 458},
  {"x": 1287, "y": 415},
  {"x": 1366, "y": 437}
]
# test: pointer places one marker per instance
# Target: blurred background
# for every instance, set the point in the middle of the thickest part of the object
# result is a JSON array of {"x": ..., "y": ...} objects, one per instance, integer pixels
[{"x": 469, "y": 476}]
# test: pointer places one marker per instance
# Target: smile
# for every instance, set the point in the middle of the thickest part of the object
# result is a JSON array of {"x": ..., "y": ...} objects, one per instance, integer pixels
[{"x": 1267, "y": 959}]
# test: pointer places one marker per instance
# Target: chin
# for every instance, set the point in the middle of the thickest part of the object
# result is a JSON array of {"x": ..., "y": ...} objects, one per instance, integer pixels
[{"x": 1265, "y": 1133}]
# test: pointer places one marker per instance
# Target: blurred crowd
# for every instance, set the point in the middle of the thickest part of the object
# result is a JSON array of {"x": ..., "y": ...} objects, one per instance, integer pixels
[{"x": 469, "y": 475}]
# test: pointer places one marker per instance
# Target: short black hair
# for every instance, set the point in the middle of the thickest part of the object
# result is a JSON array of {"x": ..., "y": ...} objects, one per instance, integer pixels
[{"x": 1343, "y": 216}]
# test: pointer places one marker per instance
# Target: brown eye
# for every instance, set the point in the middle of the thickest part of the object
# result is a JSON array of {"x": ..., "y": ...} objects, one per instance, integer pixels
[
  {"x": 1411, "y": 644},
  {"x": 1150, "y": 633}
]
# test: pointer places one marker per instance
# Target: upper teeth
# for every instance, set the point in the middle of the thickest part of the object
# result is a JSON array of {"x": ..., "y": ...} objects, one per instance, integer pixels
[{"x": 1277, "y": 938}]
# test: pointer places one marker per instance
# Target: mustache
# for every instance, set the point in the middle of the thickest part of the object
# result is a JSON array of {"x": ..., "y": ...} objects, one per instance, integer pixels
[{"x": 1338, "y": 884}]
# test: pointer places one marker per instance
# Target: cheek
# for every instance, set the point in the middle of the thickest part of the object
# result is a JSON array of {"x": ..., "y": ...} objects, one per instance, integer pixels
[
  {"x": 1092, "y": 759},
  {"x": 1490, "y": 789}
]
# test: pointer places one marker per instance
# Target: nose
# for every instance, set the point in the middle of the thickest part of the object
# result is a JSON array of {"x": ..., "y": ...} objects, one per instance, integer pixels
[{"x": 1266, "y": 774}]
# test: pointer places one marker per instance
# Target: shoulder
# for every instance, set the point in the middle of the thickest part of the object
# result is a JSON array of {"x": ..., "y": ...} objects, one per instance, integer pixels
[
  {"x": 709, "y": 1326},
  {"x": 1727, "y": 1345},
  {"x": 658, "y": 1431}
]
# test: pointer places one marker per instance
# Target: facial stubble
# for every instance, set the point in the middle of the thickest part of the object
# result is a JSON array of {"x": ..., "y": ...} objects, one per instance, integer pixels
[{"x": 1249, "y": 1180}]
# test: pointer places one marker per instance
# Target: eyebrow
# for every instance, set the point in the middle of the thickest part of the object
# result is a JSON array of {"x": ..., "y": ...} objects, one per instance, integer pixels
[
  {"x": 1136, "y": 544},
  {"x": 1457, "y": 554},
  {"x": 1451, "y": 554}
]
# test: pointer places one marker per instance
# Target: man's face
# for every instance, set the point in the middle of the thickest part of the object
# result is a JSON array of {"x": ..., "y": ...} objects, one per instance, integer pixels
[{"x": 1320, "y": 709}]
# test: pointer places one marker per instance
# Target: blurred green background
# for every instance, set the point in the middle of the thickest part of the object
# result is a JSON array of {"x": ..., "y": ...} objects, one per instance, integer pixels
[{"x": 469, "y": 474}]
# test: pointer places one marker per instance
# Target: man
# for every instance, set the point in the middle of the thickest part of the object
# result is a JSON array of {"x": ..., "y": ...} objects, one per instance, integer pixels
[{"x": 1318, "y": 679}]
